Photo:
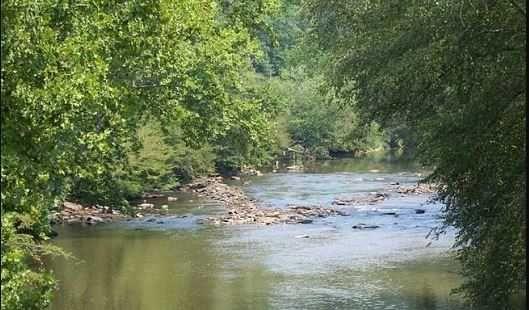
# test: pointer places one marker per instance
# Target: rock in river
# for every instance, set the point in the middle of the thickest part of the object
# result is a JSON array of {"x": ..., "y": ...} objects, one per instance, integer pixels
[
  {"x": 305, "y": 221},
  {"x": 146, "y": 205},
  {"x": 92, "y": 220},
  {"x": 303, "y": 236},
  {"x": 364, "y": 226}
]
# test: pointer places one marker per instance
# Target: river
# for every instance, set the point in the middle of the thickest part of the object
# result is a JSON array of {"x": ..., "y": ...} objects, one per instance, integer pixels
[{"x": 175, "y": 263}]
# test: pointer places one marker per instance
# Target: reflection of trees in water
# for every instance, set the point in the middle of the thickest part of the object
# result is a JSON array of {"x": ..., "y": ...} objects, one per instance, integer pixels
[
  {"x": 427, "y": 299},
  {"x": 417, "y": 296},
  {"x": 156, "y": 270}
]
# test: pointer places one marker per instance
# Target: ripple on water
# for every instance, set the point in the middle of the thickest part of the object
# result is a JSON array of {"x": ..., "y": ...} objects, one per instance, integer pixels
[{"x": 282, "y": 189}]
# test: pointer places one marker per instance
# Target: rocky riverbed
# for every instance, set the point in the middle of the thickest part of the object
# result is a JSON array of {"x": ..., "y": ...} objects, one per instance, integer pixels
[
  {"x": 242, "y": 210},
  {"x": 74, "y": 213},
  {"x": 239, "y": 208},
  {"x": 393, "y": 190}
]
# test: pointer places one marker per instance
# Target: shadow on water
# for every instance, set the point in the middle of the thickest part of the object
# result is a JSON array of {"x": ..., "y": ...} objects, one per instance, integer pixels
[{"x": 426, "y": 300}]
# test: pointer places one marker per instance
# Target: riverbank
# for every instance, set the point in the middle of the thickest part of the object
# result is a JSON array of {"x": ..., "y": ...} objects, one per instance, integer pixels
[{"x": 75, "y": 213}]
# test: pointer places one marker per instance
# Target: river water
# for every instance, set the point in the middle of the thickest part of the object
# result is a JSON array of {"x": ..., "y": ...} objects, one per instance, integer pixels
[{"x": 172, "y": 262}]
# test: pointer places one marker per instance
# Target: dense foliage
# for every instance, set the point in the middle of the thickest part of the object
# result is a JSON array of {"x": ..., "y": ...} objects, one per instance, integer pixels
[
  {"x": 78, "y": 80},
  {"x": 103, "y": 100},
  {"x": 314, "y": 119},
  {"x": 286, "y": 29},
  {"x": 318, "y": 121},
  {"x": 453, "y": 72}
]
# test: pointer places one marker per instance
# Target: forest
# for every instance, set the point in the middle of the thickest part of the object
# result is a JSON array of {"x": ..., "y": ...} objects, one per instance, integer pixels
[{"x": 105, "y": 101}]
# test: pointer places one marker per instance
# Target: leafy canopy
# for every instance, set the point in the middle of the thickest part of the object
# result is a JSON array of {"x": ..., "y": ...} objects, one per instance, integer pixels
[
  {"x": 453, "y": 72},
  {"x": 79, "y": 78}
]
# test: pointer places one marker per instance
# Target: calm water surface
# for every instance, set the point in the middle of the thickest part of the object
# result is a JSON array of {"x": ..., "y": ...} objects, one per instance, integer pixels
[{"x": 172, "y": 262}]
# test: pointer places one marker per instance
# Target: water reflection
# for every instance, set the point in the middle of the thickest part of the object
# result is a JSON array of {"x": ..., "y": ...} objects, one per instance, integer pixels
[
  {"x": 190, "y": 270},
  {"x": 153, "y": 270},
  {"x": 426, "y": 299}
]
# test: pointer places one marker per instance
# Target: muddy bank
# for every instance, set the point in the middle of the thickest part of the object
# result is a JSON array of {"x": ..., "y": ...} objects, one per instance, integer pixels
[{"x": 242, "y": 210}]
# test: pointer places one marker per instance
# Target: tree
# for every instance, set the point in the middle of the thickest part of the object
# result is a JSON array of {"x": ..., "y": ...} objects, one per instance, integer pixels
[
  {"x": 453, "y": 72},
  {"x": 79, "y": 78},
  {"x": 320, "y": 121}
]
